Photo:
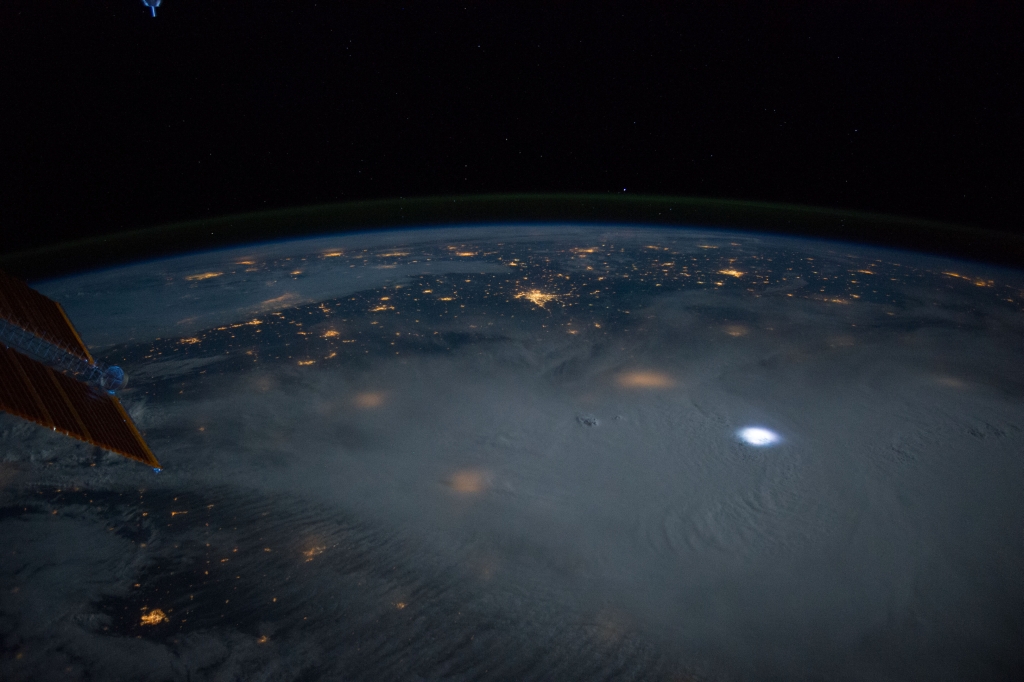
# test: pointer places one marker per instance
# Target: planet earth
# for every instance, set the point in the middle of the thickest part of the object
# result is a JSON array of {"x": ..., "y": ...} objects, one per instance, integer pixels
[{"x": 532, "y": 453}]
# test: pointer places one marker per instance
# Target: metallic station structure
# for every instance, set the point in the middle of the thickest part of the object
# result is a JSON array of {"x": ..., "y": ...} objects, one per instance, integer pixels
[{"x": 48, "y": 376}]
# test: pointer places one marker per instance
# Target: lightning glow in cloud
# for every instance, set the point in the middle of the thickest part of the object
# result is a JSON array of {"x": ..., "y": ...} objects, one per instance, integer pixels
[{"x": 758, "y": 436}]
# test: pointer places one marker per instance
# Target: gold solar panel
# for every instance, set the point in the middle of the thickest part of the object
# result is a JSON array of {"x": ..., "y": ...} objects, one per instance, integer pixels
[
  {"x": 35, "y": 392},
  {"x": 25, "y": 307}
]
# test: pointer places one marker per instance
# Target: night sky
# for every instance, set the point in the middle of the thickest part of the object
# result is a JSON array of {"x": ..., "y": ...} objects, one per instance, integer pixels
[{"x": 114, "y": 120}]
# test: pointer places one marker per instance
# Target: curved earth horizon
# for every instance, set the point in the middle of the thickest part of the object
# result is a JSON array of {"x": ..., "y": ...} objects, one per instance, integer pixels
[{"x": 528, "y": 452}]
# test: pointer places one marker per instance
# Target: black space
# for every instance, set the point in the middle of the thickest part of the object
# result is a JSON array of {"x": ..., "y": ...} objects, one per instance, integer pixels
[{"x": 114, "y": 120}]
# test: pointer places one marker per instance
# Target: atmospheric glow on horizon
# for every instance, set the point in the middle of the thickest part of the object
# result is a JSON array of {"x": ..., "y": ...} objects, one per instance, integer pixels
[{"x": 758, "y": 436}]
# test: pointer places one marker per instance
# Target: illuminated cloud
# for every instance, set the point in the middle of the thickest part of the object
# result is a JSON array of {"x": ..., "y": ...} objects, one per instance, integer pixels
[
  {"x": 283, "y": 301},
  {"x": 469, "y": 482},
  {"x": 369, "y": 400},
  {"x": 758, "y": 436},
  {"x": 644, "y": 379}
]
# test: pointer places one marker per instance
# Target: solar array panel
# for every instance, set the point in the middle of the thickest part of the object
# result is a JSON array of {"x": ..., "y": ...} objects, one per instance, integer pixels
[
  {"x": 35, "y": 392},
  {"x": 25, "y": 307}
]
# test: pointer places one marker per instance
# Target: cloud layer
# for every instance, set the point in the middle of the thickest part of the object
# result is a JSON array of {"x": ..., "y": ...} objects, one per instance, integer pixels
[{"x": 530, "y": 505}]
